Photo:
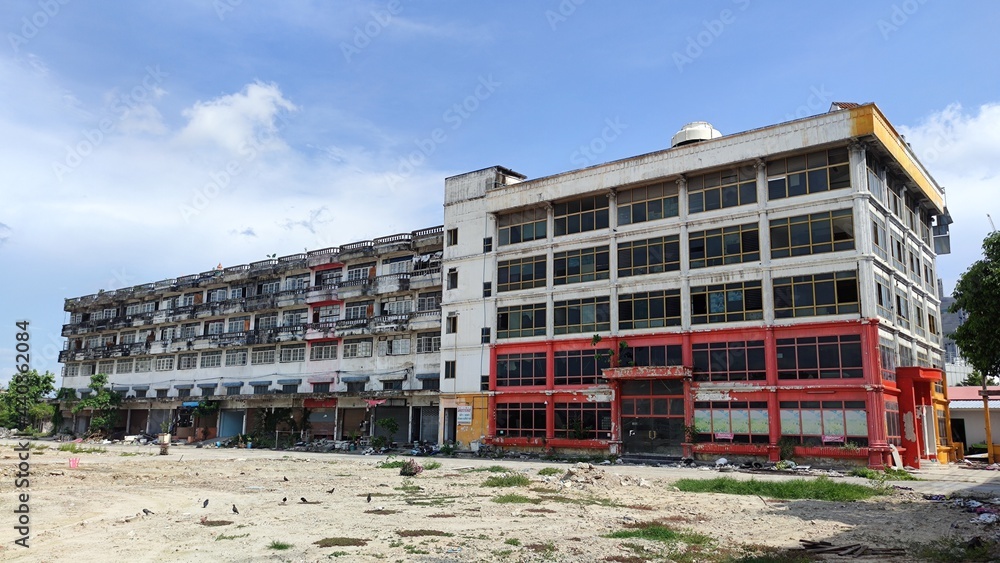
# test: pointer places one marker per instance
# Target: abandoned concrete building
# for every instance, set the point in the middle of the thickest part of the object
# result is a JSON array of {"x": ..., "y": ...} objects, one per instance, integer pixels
[
  {"x": 334, "y": 334},
  {"x": 733, "y": 295},
  {"x": 742, "y": 295}
]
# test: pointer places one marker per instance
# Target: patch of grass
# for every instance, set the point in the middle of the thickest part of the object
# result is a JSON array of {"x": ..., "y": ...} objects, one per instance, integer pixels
[
  {"x": 890, "y": 474},
  {"x": 540, "y": 510},
  {"x": 75, "y": 448},
  {"x": 215, "y": 523},
  {"x": 432, "y": 465},
  {"x": 440, "y": 516},
  {"x": 583, "y": 501},
  {"x": 657, "y": 531},
  {"x": 507, "y": 480},
  {"x": 390, "y": 464},
  {"x": 503, "y": 552},
  {"x": 431, "y": 501},
  {"x": 515, "y": 499},
  {"x": 337, "y": 554},
  {"x": 821, "y": 488},
  {"x": 512, "y": 541},
  {"x": 221, "y": 537},
  {"x": 382, "y": 512},
  {"x": 490, "y": 469},
  {"x": 129, "y": 454},
  {"x": 546, "y": 548},
  {"x": 279, "y": 545},
  {"x": 954, "y": 550},
  {"x": 418, "y": 533},
  {"x": 414, "y": 550},
  {"x": 340, "y": 542},
  {"x": 408, "y": 487},
  {"x": 640, "y": 507},
  {"x": 550, "y": 471}
]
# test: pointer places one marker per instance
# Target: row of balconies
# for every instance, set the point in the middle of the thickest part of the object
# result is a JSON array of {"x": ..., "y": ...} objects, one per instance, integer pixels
[
  {"x": 418, "y": 241},
  {"x": 347, "y": 289},
  {"x": 382, "y": 324}
]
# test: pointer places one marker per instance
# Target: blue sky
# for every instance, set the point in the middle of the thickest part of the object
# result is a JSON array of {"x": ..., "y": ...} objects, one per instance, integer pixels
[{"x": 149, "y": 140}]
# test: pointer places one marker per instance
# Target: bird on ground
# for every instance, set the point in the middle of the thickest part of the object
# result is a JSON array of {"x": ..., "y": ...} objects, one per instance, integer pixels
[
  {"x": 147, "y": 511},
  {"x": 234, "y": 510},
  {"x": 285, "y": 478},
  {"x": 205, "y": 504},
  {"x": 303, "y": 499},
  {"x": 369, "y": 497},
  {"x": 284, "y": 500},
  {"x": 331, "y": 490}
]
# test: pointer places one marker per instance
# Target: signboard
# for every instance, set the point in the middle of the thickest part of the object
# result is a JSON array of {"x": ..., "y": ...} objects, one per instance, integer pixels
[
  {"x": 723, "y": 435},
  {"x": 464, "y": 415}
]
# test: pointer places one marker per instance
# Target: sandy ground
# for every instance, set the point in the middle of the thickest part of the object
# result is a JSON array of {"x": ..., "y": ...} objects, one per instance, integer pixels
[{"x": 94, "y": 513}]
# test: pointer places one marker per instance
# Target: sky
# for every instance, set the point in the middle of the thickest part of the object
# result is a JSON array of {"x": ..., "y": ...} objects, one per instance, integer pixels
[{"x": 149, "y": 140}]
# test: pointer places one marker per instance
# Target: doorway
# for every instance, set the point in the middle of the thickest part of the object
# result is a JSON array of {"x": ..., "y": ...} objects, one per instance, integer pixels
[{"x": 652, "y": 416}]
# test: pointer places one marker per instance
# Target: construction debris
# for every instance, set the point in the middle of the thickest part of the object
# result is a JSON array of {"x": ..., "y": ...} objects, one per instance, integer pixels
[{"x": 852, "y": 550}]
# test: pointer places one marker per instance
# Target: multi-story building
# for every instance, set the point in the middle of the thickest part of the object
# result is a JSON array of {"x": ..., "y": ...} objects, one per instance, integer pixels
[
  {"x": 331, "y": 333},
  {"x": 734, "y": 295}
]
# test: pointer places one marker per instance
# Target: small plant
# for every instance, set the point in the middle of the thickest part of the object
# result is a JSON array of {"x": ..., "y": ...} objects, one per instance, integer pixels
[
  {"x": 691, "y": 433},
  {"x": 786, "y": 446},
  {"x": 851, "y": 447},
  {"x": 550, "y": 471},
  {"x": 75, "y": 448},
  {"x": 340, "y": 542},
  {"x": 390, "y": 463},
  {"x": 512, "y": 541},
  {"x": 821, "y": 488},
  {"x": 221, "y": 537},
  {"x": 410, "y": 468},
  {"x": 508, "y": 480},
  {"x": 448, "y": 450},
  {"x": 432, "y": 465},
  {"x": 515, "y": 499}
]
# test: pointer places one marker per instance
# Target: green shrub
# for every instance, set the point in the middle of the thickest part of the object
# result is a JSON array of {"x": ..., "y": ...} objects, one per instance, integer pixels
[
  {"x": 507, "y": 480},
  {"x": 821, "y": 488}
]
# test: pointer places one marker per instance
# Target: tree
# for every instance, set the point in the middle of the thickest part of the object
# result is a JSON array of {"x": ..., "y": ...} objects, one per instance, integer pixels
[
  {"x": 23, "y": 404},
  {"x": 103, "y": 402},
  {"x": 974, "y": 379},
  {"x": 978, "y": 294}
]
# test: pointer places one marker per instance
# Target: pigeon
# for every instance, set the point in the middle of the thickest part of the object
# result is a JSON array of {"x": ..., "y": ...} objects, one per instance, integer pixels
[
  {"x": 369, "y": 497},
  {"x": 284, "y": 500},
  {"x": 303, "y": 499},
  {"x": 285, "y": 478},
  {"x": 147, "y": 511},
  {"x": 205, "y": 504},
  {"x": 331, "y": 490},
  {"x": 234, "y": 510}
]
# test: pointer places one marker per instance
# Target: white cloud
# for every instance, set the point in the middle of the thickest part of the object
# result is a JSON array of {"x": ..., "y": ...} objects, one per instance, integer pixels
[
  {"x": 961, "y": 149},
  {"x": 234, "y": 120}
]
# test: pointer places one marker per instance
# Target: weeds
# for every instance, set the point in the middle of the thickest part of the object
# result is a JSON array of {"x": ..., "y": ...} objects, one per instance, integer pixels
[
  {"x": 515, "y": 499},
  {"x": 550, "y": 471},
  {"x": 508, "y": 480},
  {"x": 279, "y": 545},
  {"x": 390, "y": 463},
  {"x": 221, "y": 537},
  {"x": 75, "y": 448},
  {"x": 953, "y": 550},
  {"x": 418, "y": 533},
  {"x": 512, "y": 541},
  {"x": 410, "y": 468},
  {"x": 340, "y": 542},
  {"x": 432, "y": 465},
  {"x": 890, "y": 474},
  {"x": 821, "y": 488}
]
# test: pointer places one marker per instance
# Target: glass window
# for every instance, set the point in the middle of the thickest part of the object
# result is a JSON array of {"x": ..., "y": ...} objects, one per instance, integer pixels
[
  {"x": 729, "y": 245},
  {"x": 581, "y": 215},
  {"x": 582, "y": 265},
  {"x": 818, "y": 294},
  {"x": 649, "y": 256},
  {"x": 521, "y": 273},
  {"x": 719, "y": 190}
]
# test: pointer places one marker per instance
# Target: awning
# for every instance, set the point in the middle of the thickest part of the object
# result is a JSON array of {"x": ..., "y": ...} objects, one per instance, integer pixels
[
  {"x": 207, "y": 385},
  {"x": 256, "y": 383},
  {"x": 189, "y": 404},
  {"x": 354, "y": 378},
  {"x": 140, "y": 387},
  {"x": 429, "y": 375},
  {"x": 392, "y": 377},
  {"x": 119, "y": 388},
  {"x": 328, "y": 379},
  {"x": 184, "y": 386},
  {"x": 289, "y": 381},
  {"x": 233, "y": 384}
]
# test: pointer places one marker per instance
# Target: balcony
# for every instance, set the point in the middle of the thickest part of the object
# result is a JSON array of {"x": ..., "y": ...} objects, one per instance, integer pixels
[
  {"x": 393, "y": 243},
  {"x": 322, "y": 257},
  {"x": 321, "y": 330},
  {"x": 390, "y": 323},
  {"x": 425, "y": 279},
  {"x": 352, "y": 327},
  {"x": 321, "y": 294},
  {"x": 426, "y": 320},
  {"x": 354, "y": 288},
  {"x": 291, "y": 297},
  {"x": 235, "y": 273},
  {"x": 357, "y": 250},
  {"x": 392, "y": 283},
  {"x": 259, "y": 303},
  {"x": 426, "y": 240}
]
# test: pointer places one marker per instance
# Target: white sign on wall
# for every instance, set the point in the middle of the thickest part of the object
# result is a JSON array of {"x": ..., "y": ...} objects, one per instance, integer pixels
[{"x": 464, "y": 415}]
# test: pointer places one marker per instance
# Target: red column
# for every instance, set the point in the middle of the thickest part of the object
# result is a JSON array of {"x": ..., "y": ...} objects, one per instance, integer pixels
[
  {"x": 910, "y": 427},
  {"x": 773, "y": 412},
  {"x": 871, "y": 362}
]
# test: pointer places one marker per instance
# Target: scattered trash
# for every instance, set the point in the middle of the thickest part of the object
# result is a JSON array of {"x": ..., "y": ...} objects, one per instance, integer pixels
[
  {"x": 74, "y": 463},
  {"x": 721, "y": 461},
  {"x": 853, "y": 550},
  {"x": 934, "y": 497}
]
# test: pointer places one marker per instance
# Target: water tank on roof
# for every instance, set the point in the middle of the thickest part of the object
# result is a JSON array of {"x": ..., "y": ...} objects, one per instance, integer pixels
[{"x": 694, "y": 132}]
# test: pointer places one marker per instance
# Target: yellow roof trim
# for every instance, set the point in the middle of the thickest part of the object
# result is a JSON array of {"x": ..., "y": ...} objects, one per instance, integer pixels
[{"x": 868, "y": 120}]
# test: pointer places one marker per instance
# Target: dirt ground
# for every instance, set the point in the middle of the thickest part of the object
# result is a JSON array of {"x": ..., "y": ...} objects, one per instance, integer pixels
[{"x": 94, "y": 512}]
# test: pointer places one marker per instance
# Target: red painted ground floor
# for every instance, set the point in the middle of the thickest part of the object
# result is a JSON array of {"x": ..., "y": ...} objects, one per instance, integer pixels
[{"x": 812, "y": 391}]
